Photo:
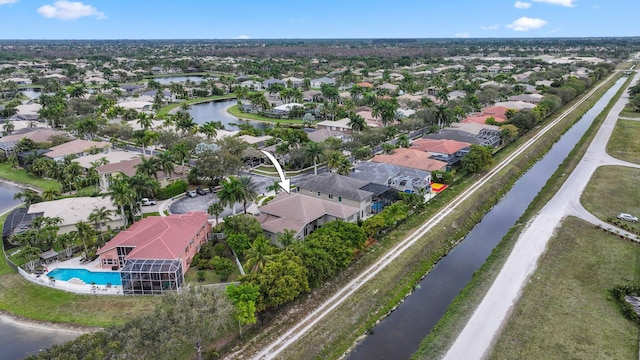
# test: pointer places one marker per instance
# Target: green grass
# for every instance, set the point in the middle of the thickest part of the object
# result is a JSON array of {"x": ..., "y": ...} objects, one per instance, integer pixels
[
  {"x": 23, "y": 298},
  {"x": 166, "y": 109},
  {"x": 233, "y": 110},
  {"x": 21, "y": 176},
  {"x": 566, "y": 311},
  {"x": 153, "y": 213},
  {"x": 612, "y": 190},
  {"x": 210, "y": 277},
  {"x": 628, "y": 112},
  {"x": 624, "y": 143}
]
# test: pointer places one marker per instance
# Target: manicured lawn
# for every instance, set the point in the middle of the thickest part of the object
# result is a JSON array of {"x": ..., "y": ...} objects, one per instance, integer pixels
[
  {"x": 210, "y": 277},
  {"x": 625, "y": 141},
  {"x": 612, "y": 190},
  {"x": 166, "y": 109},
  {"x": 566, "y": 311},
  {"x": 246, "y": 116},
  {"x": 21, "y": 176},
  {"x": 628, "y": 112}
]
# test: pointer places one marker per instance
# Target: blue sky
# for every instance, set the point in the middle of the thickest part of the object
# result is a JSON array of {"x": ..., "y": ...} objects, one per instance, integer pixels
[{"x": 275, "y": 19}]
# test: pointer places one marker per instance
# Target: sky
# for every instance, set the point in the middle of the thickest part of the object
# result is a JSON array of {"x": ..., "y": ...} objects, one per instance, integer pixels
[{"x": 320, "y": 19}]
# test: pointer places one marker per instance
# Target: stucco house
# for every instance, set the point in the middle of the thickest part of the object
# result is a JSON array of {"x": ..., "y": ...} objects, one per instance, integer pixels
[
  {"x": 77, "y": 148},
  {"x": 72, "y": 210}
]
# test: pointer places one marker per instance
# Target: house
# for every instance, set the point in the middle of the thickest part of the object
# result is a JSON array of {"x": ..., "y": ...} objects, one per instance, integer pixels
[
  {"x": 20, "y": 81},
  {"x": 75, "y": 209},
  {"x": 530, "y": 98},
  {"x": 342, "y": 125},
  {"x": 317, "y": 83},
  {"x": 365, "y": 84},
  {"x": 402, "y": 179},
  {"x": 155, "y": 252},
  {"x": 302, "y": 214},
  {"x": 475, "y": 128},
  {"x": 442, "y": 147},
  {"x": 113, "y": 156},
  {"x": 137, "y": 105},
  {"x": 516, "y": 105},
  {"x": 129, "y": 167},
  {"x": 295, "y": 82},
  {"x": 485, "y": 137},
  {"x": 39, "y": 135},
  {"x": 481, "y": 119},
  {"x": 411, "y": 158},
  {"x": 320, "y": 135},
  {"x": 269, "y": 82},
  {"x": 362, "y": 195},
  {"x": 251, "y": 85},
  {"x": 259, "y": 141},
  {"x": 28, "y": 111},
  {"x": 77, "y": 148}
]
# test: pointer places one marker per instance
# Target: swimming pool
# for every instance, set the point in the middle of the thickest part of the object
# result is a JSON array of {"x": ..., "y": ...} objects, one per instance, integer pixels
[{"x": 98, "y": 277}]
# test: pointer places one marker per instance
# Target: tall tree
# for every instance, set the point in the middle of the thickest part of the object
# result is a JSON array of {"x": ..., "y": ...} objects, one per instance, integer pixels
[
  {"x": 313, "y": 152},
  {"x": 231, "y": 192},
  {"x": 85, "y": 235},
  {"x": 166, "y": 163},
  {"x": 257, "y": 256},
  {"x": 249, "y": 190},
  {"x": 181, "y": 153},
  {"x": 122, "y": 195},
  {"x": 99, "y": 216},
  {"x": 215, "y": 209}
]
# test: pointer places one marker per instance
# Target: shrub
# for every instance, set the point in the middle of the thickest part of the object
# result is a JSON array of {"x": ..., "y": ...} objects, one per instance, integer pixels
[
  {"x": 172, "y": 190},
  {"x": 223, "y": 267},
  {"x": 201, "y": 276},
  {"x": 219, "y": 249},
  {"x": 239, "y": 243}
]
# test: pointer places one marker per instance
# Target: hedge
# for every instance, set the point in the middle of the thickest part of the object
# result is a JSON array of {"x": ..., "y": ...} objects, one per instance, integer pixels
[{"x": 176, "y": 188}]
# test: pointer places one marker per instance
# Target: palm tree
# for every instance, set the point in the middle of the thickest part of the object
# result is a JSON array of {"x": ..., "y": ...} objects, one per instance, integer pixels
[
  {"x": 144, "y": 186},
  {"x": 249, "y": 190},
  {"x": 403, "y": 141},
  {"x": 313, "y": 152},
  {"x": 443, "y": 114},
  {"x": 27, "y": 197},
  {"x": 231, "y": 192},
  {"x": 71, "y": 174},
  {"x": 85, "y": 234},
  {"x": 257, "y": 256},
  {"x": 287, "y": 237},
  {"x": 166, "y": 163},
  {"x": 357, "y": 122},
  {"x": 344, "y": 167},
  {"x": 210, "y": 129},
  {"x": 8, "y": 127},
  {"x": 50, "y": 194},
  {"x": 29, "y": 253},
  {"x": 99, "y": 216},
  {"x": 145, "y": 121},
  {"x": 181, "y": 153},
  {"x": 122, "y": 195},
  {"x": 148, "y": 166},
  {"x": 215, "y": 209},
  {"x": 275, "y": 187},
  {"x": 334, "y": 159}
]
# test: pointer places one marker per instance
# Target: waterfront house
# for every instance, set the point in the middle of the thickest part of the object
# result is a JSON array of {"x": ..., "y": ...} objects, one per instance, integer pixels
[
  {"x": 154, "y": 253},
  {"x": 75, "y": 209},
  {"x": 77, "y": 148}
]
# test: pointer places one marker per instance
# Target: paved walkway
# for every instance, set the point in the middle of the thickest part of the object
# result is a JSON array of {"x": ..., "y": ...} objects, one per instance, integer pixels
[{"x": 483, "y": 328}]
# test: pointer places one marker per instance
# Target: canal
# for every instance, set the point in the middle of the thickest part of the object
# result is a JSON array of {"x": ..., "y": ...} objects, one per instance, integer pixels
[{"x": 399, "y": 334}]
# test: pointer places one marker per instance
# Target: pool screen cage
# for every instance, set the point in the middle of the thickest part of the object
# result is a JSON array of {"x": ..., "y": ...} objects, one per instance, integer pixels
[
  {"x": 409, "y": 184},
  {"x": 151, "y": 277}
]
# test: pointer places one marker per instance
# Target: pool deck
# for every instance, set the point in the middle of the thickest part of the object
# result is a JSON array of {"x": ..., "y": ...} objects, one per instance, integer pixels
[{"x": 73, "y": 285}]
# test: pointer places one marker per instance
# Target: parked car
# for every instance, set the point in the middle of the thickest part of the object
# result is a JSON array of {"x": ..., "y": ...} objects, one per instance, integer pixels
[
  {"x": 201, "y": 191},
  {"x": 214, "y": 189},
  {"x": 627, "y": 217},
  {"x": 192, "y": 193},
  {"x": 147, "y": 202}
]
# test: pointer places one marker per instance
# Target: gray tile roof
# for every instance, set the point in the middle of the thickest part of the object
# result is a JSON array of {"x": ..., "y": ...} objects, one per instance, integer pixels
[{"x": 336, "y": 185}]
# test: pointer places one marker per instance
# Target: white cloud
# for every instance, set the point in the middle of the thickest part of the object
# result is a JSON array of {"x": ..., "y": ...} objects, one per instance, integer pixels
[
  {"x": 69, "y": 10},
  {"x": 522, "y": 5},
  {"x": 4, "y": 2},
  {"x": 525, "y": 24},
  {"x": 596, "y": 6},
  {"x": 565, "y": 3},
  {"x": 462, "y": 35},
  {"x": 244, "y": 37},
  {"x": 490, "y": 27}
]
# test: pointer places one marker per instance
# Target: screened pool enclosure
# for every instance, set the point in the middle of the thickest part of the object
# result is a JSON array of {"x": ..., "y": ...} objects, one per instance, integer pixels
[{"x": 151, "y": 277}]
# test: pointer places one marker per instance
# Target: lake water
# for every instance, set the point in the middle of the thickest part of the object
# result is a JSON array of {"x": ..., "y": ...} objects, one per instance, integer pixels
[
  {"x": 6, "y": 196},
  {"x": 399, "y": 335},
  {"x": 217, "y": 111},
  {"x": 166, "y": 80},
  {"x": 31, "y": 93},
  {"x": 18, "y": 341}
]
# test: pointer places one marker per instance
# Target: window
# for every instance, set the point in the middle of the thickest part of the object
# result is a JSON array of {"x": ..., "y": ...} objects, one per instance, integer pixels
[
  {"x": 318, "y": 193},
  {"x": 339, "y": 198},
  {"x": 330, "y": 196}
]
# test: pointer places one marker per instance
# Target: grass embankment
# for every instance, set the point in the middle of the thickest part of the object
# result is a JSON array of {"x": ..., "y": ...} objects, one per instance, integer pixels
[
  {"x": 25, "y": 299},
  {"x": 612, "y": 190},
  {"x": 628, "y": 112},
  {"x": 341, "y": 328},
  {"x": 233, "y": 110},
  {"x": 166, "y": 109},
  {"x": 566, "y": 311},
  {"x": 21, "y": 176},
  {"x": 461, "y": 309},
  {"x": 625, "y": 141}
]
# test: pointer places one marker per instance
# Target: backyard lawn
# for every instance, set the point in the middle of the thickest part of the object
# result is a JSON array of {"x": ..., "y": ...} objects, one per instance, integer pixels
[
  {"x": 21, "y": 176},
  {"x": 566, "y": 311}
]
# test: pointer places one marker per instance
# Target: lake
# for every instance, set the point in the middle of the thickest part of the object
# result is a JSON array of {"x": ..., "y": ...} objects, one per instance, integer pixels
[
  {"x": 217, "y": 111},
  {"x": 166, "y": 80}
]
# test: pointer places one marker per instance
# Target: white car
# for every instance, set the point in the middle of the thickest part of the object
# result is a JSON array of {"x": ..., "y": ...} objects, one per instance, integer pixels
[
  {"x": 192, "y": 193},
  {"x": 627, "y": 217},
  {"x": 147, "y": 202}
]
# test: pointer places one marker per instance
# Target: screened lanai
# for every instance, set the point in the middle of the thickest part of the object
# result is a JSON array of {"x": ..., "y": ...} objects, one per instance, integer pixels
[{"x": 151, "y": 277}]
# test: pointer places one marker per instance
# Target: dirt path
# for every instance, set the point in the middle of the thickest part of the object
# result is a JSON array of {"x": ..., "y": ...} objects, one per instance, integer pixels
[
  {"x": 483, "y": 328},
  {"x": 272, "y": 350}
]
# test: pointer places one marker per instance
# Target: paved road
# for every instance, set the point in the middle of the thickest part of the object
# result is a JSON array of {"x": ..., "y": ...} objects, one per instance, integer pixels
[
  {"x": 476, "y": 339},
  {"x": 299, "y": 329}
]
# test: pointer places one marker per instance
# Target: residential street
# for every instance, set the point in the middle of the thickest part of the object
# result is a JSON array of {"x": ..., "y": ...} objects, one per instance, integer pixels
[{"x": 478, "y": 336}]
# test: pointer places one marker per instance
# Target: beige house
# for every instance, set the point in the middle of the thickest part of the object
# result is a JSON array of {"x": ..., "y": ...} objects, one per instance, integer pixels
[
  {"x": 129, "y": 167},
  {"x": 76, "y": 147},
  {"x": 72, "y": 210}
]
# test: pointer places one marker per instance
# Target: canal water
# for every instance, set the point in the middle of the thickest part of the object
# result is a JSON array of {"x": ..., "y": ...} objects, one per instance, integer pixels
[
  {"x": 399, "y": 335},
  {"x": 166, "y": 80}
]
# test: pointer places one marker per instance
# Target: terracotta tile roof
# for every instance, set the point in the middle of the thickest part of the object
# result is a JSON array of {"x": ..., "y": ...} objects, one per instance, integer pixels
[
  {"x": 128, "y": 167},
  {"x": 159, "y": 237},
  {"x": 365, "y": 84},
  {"x": 37, "y": 135},
  {"x": 481, "y": 119},
  {"x": 414, "y": 159},
  {"x": 441, "y": 146},
  {"x": 495, "y": 111}
]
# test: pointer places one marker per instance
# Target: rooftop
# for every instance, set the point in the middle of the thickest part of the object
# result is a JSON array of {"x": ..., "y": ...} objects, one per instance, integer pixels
[
  {"x": 411, "y": 158},
  {"x": 72, "y": 210},
  {"x": 77, "y": 146}
]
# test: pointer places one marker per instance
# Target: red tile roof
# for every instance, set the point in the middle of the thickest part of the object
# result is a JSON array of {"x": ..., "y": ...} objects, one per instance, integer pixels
[
  {"x": 159, "y": 237},
  {"x": 481, "y": 119},
  {"x": 410, "y": 158},
  {"x": 496, "y": 112},
  {"x": 441, "y": 146}
]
